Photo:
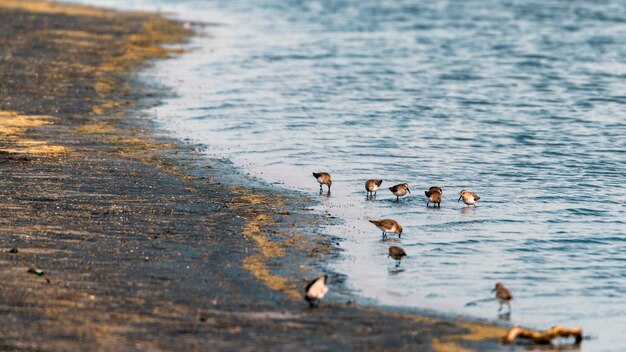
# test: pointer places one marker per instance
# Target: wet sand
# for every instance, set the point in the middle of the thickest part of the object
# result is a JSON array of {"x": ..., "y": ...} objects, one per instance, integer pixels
[{"x": 143, "y": 248}]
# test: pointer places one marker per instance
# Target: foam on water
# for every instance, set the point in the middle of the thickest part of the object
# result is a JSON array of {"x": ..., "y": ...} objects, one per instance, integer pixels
[{"x": 521, "y": 102}]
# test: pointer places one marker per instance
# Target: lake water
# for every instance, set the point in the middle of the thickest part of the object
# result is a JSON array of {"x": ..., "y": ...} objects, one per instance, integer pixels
[{"x": 520, "y": 101}]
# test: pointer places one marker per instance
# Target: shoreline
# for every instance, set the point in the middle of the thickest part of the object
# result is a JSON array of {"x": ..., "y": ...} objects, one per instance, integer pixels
[{"x": 130, "y": 226}]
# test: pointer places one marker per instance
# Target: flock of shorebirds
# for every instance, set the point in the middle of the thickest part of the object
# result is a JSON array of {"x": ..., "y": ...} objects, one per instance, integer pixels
[{"x": 317, "y": 288}]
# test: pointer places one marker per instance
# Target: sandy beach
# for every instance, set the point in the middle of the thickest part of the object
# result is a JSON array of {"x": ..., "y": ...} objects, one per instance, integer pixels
[{"x": 142, "y": 247}]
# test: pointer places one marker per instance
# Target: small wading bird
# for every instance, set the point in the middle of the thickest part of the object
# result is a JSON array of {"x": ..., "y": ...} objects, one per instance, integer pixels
[
  {"x": 388, "y": 226},
  {"x": 469, "y": 198},
  {"x": 316, "y": 290},
  {"x": 400, "y": 190},
  {"x": 324, "y": 179},
  {"x": 503, "y": 295},
  {"x": 396, "y": 253},
  {"x": 434, "y": 196},
  {"x": 371, "y": 186}
]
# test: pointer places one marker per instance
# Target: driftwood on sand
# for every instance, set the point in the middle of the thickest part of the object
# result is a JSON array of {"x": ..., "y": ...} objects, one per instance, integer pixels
[{"x": 544, "y": 337}]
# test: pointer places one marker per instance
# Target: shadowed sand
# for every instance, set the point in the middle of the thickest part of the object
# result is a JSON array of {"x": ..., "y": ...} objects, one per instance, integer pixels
[{"x": 142, "y": 247}]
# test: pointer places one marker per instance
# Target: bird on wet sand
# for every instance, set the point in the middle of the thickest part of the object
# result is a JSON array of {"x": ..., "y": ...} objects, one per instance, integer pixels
[
  {"x": 388, "y": 226},
  {"x": 434, "y": 196},
  {"x": 469, "y": 198},
  {"x": 400, "y": 190},
  {"x": 371, "y": 186},
  {"x": 316, "y": 290},
  {"x": 324, "y": 179},
  {"x": 396, "y": 253},
  {"x": 503, "y": 295}
]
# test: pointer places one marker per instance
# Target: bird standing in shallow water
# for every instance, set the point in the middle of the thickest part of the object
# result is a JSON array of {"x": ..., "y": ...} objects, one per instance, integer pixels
[
  {"x": 434, "y": 196},
  {"x": 396, "y": 253},
  {"x": 371, "y": 186},
  {"x": 324, "y": 179},
  {"x": 400, "y": 190},
  {"x": 388, "y": 226},
  {"x": 316, "y": 290},
  {"x": 469, "y": 198},
  {"x": 503, "y": 295}
]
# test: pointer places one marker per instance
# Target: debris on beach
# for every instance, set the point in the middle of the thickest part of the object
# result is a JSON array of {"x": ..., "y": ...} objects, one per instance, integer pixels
[{"x": 545, "y": 337}]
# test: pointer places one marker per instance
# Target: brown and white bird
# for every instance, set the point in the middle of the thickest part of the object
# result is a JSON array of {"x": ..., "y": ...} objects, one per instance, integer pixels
[
  {"x": 434, "y": 196},
  {"x": 396, "y": 253},
  {"x": 388, "y": 226},
  {"x": 324, "y": 179},
  {"x": 371, "y": 186},
  {"x": 503, "y": 295},
  {"x": 316, "y": 290},
  {"x": 400, "y": 190},
  {"x": 469, "y": 198}
]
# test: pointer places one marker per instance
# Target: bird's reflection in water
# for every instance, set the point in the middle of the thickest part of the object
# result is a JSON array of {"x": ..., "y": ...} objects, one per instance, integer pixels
[
  {"x": 395, "y": 271},
  {"x": 468, "y": 210},
  {"x": 505, "y": 316}
]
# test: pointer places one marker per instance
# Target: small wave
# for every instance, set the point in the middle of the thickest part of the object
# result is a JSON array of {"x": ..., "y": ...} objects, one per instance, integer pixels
[
  {"x": 460, "y": 76},
  {"x": 286, "y": 57},
  {"x": 586, "y": 212},
  {"x": 617, "y": 100}
]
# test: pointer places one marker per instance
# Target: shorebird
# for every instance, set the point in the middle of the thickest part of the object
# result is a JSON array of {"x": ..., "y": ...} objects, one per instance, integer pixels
[
  {"x": 400, "y": 190},
  {"x": 388, "y": 226},
  {"x": 324, "y": 179},
  {"x": 316, "y": 290},
  {"x": 469, "y": 198},
  {"x": 434, "y": 196},
  {"x": 371, "y": 186},
  {"x": 503, "y": 295},
  {"x": 396, "y": 253}
]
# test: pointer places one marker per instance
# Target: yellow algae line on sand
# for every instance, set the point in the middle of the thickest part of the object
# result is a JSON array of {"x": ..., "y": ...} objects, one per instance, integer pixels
[
  {"x": 136, "y": 48},
  {"x": 476, "y": 332},
  {"x": 14, "y": 125},
  {"x": 255, "y": 221}
]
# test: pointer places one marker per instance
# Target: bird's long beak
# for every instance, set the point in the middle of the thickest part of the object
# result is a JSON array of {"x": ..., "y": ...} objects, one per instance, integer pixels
[
  {"x": 408, "y": 190},
  {"x": 459, "y": 198},
  {"x": 494, "y": 290}
]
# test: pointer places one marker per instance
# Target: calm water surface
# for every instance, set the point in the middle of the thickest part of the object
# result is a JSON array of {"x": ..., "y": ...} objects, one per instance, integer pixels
[{"x": 522, "y": 102}]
